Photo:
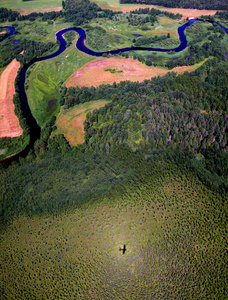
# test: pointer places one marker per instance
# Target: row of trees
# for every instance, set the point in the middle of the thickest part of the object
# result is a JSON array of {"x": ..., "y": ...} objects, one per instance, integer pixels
[
  {"x": 155, "y": 12},
  {"x": 8, "y": 15},
  {"x": 144, "y": 15},
  {"x": 33, "y": 49}
]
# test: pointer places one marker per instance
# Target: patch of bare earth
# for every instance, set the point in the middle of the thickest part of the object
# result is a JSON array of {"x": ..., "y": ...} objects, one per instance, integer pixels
[
  {"x": 94, "y": 74},
  {"x": 71, "y": 121},
  {"x": 9, "y": 124}
]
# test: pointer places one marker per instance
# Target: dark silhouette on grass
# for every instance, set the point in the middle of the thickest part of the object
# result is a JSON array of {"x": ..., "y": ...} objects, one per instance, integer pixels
[{"x": 123, "y": 249}]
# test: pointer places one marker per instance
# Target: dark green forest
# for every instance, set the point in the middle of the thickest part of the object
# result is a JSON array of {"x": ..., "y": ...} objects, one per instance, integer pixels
[
  {"x": 187, "y": 111},
  {"x": 180, "y": 120}
]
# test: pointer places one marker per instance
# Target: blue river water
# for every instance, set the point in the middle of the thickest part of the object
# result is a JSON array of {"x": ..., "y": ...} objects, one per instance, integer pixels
[{"x": 35, "y": 129}]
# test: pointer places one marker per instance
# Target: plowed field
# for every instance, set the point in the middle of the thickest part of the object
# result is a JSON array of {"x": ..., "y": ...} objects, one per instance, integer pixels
[{"x": 9, "y": 124}]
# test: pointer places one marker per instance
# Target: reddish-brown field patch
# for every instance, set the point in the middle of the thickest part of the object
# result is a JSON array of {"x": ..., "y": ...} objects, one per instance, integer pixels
[
  {"x": 70, "y": 122},
  {"x": 94, "y": 74},
  {"x": 9, "y": 124}
]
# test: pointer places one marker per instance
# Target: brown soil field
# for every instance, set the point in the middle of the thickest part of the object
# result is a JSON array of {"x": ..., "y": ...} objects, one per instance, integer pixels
[
  {"x": 94, "y": 74},
  {"x": 9, "y": 124},
  {"x": 70, "y": 121}
]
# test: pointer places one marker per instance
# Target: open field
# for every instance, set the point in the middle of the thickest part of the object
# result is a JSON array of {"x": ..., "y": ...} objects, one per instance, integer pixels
[
  {"x": 26, "y": 7},
  {"x": 95, "y": 74},
  {"x": 116, "y": 6},
  {"x": 70, "y": 121},
  {"x": 39, "y": 30},
  {"x": 9, "y": 124}
]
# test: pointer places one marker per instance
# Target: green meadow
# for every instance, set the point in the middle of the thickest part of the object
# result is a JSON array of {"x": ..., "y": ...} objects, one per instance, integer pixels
[
  {"x": 46, "y": 78},
  {"x": 40, "y": 31},
  {"x": 27, "y": 7}
]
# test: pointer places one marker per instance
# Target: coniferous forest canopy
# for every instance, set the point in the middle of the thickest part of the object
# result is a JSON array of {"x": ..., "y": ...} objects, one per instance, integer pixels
[{"x": 152, "y": 173}]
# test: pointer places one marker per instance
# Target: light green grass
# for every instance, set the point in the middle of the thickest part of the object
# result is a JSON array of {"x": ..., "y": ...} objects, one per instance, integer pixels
[
  {"x": 31, "y": 6},
  {"x": 45, "y": 78},
  {"x": 31, "y": 30}
]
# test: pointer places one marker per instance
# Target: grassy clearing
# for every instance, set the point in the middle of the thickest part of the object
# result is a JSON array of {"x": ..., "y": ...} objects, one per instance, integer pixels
[
  {"x": 173, "y": 234},
  {"x": 166, "y": 21},
  {"x": 45, "y": 78},
  {"x": 70, "y": 121},
  {"x": 40, "y": 31},
  {"x": 26, "y": 7}
]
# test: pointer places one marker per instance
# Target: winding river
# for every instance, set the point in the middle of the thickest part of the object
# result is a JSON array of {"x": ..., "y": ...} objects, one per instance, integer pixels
[{"x": 35, "y": 129}]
